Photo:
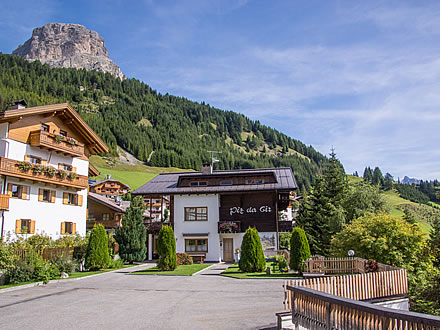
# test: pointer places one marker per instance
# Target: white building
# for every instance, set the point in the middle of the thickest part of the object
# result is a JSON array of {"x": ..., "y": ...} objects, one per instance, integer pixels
[
  {"x": 211, "y": 210},
  {"x": 44, "y": 166}
]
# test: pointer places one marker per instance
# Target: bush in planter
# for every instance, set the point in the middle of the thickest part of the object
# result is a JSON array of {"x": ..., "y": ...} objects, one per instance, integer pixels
[
  {"x": 50, "y": 171},
  {"x": 37, "y": 169},
  {"x": 166, "y": 246},
  {"x": 97, "y": 256},
  {"x": 71, "y": 175},
  {"x": 62, "y": 174},
  {"x": 299, "y": 249},
  {"x": 184, "y": 259},
  {"x": 24, "y": 166},
  {"x": 252, "y": 257}
]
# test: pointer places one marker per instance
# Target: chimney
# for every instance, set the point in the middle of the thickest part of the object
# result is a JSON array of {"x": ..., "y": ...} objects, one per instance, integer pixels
[
  {"x": 20, "y": 104},
  {"x": 207, "y": 168}
]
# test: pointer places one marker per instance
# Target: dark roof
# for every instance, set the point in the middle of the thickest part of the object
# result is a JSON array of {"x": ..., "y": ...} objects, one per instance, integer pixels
[
  {"x": 110, "y": 203},
  {"x": 166, "y": 183}
]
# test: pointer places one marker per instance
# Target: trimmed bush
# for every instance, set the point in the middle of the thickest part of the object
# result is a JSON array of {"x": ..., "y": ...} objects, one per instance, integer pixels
[
  {"x": 184, "y": 259},
  {"x": 252, "y": 257},
  {"x": 299, "y": 249},
  {"x": 132, "y": 235},
  {"x": 166, "y": 247},
  {"x": 97, "y": 256}
]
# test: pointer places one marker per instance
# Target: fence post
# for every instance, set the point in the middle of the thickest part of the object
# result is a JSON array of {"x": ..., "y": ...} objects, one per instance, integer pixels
[{"x": 328, "y": 321}]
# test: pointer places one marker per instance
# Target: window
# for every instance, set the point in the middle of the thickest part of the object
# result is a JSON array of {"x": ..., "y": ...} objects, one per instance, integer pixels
[
  {"x": 65, "y": 167},
  {"x": 25, "y": 226},
  {"x": 45, "y": 128},
  {"x": 34, "y": 160},
  {"x": 196, "y": 245},
  {"x": 226, "y": 183},
  {"x": 203, "y": 183},
  {"x": 106, "y": 217},
  {"x": 196, "y": 214},
  {"x": 18, "y": 191},
  {"x": 194, "y": 184},
  {"x": 199, "y": 183},
  {"x": 250, "y": 181},
  {"x": 72, "y": 199},
  {"x": 68, "y": 228},
  {"x": 63, "y": 133},
  {"x": 46, "y": 195},
  {"x": 259, "y": 181}
]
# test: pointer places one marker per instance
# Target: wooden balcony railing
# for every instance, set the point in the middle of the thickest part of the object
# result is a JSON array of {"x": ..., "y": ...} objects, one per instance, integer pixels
[
  {"x": 229, "y": 226},
  {"x": 285, "y": 226},
  {"x": 153, "y": 227},
  {"x": 4, "y": 202},
  {"x": 10, "y": 167},
  {"x": 47, "y": 140}
]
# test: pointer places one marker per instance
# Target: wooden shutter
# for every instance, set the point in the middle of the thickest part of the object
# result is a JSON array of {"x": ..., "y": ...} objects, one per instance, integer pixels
[
  {"x": 40, "y": 194},
  {"x": 27, "y": 158},
  {"x": 10, "y": 189},
  {"x": 53, "y": 195},
  {"x": 32, "y": 229},
  {"x": 65, "y": 197},
  {"x": 73, "y": 227},
  {"x": 80, "y": 200},
  {"x": 25, "y": 192},
  {"x": 63, "y": 228},
  {"x": 43, "y": 162},
  {"x": 18, "y": 226}
]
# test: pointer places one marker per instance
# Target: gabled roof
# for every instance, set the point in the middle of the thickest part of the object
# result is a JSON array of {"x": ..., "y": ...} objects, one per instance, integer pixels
[
  {"x": 123, "y": 185},
  {"x": 167, "y": 183},
  {"x": 110, "y": 203},
  {"x": 94, "y": 143}
]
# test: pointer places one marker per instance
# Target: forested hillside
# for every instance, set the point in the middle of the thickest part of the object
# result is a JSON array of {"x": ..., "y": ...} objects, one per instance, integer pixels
[{"x": 162, "y": 130}]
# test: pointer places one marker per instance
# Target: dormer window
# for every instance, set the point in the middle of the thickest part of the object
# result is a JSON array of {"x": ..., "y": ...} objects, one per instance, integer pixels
[
  {"x": 259, "y": 181},
  {"x": 203, "y": 183},
  {"x": 250, "y": 181},
  {"x": 226, "y": 183},
  {"x": 44, "y": 128},
  {"x": 199, "y": 183},
  {"x": 63, "y": 133}
]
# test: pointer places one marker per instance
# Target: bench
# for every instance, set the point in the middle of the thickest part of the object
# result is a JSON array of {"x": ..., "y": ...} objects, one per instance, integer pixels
[{"x": 197, "y": 257}]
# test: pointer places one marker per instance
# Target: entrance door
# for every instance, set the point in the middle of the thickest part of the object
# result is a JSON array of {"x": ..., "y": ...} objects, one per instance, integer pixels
[{"x": 228, "y": 250}]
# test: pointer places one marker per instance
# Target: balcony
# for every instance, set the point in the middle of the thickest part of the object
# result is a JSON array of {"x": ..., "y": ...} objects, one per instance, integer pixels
[
  {"x": 4, "y": 202},
  {"x": 57, "y": 143},
  {"x": 229, "y": 227},
  {"x": 285, "y": 226},
  {"x": 155, "y": 226},
  {"x": 10, "y": 167}
]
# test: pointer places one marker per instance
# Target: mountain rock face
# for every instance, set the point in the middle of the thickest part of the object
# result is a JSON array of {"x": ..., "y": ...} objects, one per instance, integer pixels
[
  {"x": 407, "y": 180},
  {"x": 68, "y": 46}
]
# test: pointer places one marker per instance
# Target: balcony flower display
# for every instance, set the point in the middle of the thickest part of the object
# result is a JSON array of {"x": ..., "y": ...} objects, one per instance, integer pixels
[
  {"x": 59, "y": 138},
  {"x": 24, "y": 166},
  {"x": 50, "y": 171},
  {"x": 62, "y": 174},
  {"x": 70, "y": 140},
  {"x": 38, "y": 169},
  {"x": 154, "y": 227},
  {"x": 228, "y": 227},
  {"x": 71, "y": 175}
]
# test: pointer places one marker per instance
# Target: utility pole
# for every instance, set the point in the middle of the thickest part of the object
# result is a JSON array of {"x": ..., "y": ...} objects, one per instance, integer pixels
[{"x": 213, "y": 160}]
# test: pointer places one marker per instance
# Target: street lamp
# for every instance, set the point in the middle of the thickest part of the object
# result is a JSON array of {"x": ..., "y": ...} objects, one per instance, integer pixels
[{"x": 351, "y": 255}]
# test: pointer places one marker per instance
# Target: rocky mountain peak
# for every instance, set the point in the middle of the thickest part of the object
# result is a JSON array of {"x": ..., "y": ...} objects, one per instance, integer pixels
[{"x": 68, "y": 46}]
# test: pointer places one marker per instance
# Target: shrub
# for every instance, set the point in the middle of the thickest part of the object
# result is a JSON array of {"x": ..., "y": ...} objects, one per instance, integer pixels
[
  {"x": 285, "y": 240},
  {"x": 252, "y": 256},
  {"x": 166, "y": 247},
  {"x": 8, "y": 258},
  {"x": 299, "y": 249},
  {"x": 116, "y": 264},
  {"x": 97, "y": 256},
  {"x": 281, "y": 261},
  {"x": 184, "y": 259},
  {"x": 65, "y": 264},
  {"x": 32, "y": 268}
]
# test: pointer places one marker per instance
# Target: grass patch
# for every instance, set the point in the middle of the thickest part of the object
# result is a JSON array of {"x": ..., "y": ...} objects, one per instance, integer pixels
[
  {"x": 234, "y": 271},
  {"x": 185, "y": 270}
]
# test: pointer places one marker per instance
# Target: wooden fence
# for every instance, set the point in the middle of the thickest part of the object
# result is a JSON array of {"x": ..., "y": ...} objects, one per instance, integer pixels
[
  {"x": 319, "y": 264},
  {"x": 48, "y": 253},
  {"x": 313, "y": 309}
]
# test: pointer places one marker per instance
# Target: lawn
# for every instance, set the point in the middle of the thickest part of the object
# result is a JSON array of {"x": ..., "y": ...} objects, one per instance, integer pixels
[
  {"x": 234, "y": 271},
  {"x": 183, "y": 270}
]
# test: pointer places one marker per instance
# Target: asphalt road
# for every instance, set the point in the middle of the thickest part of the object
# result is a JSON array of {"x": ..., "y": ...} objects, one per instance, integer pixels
[{"x": 121, "y": 300}]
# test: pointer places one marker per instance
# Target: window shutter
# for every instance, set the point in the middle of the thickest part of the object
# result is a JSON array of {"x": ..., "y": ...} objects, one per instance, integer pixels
[
  {"x": 43, "y": 162},
  {"x": 73, "y": 227},
  {"x": 25, "y": 192},
  {"x": 40, "y": 195},
  {"x": 10, "y": 189},
  {"x": 18, "y": 226},
  {"x": 63, "y": 228},
  {"x": 32, "y": 231},
  {"x": 74, "y": 169},
  {"x": 27, "y": 158},
  {"x": 53, "y": 195},
  {"x": 65, "y": 197},
  {"x": 80, "y": 200}
]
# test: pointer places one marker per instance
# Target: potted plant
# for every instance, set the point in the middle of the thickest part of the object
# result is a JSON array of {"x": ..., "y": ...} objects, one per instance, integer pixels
[
  {"x": 61, "y": 174},
  {"x": 71, "y": 175},
  {"x": 228, "y": 227},
  {"x": 38, "y": 169},
  {"x": 50, "y": 171},
  {"x": 71, "y": 141},
  {"x": 59, "y": 138},
  {"x": 24, "y": 166}
]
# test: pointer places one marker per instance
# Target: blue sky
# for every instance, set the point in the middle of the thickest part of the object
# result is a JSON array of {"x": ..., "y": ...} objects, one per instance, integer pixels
[{"x": 361, "y": 76}]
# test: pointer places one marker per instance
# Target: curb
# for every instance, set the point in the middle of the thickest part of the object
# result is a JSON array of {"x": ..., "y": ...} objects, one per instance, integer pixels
[
  {"x": 202, "y": 270},
  {"x": 31, "y": 285}
]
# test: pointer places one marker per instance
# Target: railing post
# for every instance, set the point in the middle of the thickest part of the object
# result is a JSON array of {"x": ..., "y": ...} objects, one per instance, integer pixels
[{"x": 328, "y": 321}]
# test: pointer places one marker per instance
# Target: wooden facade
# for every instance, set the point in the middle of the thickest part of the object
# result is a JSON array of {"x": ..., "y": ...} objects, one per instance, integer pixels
[
  {"x": 227, "y": 180},
  {"x": 110, "y": 187},
  {"x": 99, "y": 213}
]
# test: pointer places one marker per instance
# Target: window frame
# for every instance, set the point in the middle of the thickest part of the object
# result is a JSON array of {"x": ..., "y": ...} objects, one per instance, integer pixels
[
  {"x": 27, "y": 226},
  {"x": 71, "y": 196},
  {"x": 106, "y": 217},
  {"x": 250, "y": 181},
  {"x": 63, "y": 133},
  {"x": 226, "y": 183},
  {"x": 35, "y": 160},
  {"x": 49, "y": 195},
  {"x": 68, "y": 225},
  {"x": 185, "y": 218},
  {"x": 45, "y": 128},
  {"x": 196, "y": 245}
]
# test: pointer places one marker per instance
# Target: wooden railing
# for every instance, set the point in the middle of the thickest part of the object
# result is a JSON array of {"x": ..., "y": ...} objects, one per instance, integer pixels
[
  {"x": 10, "y": 167},
  {"x": 285, "y": 226},
  {"x": 313, "y": 309},
  {"x": 47, "y": 253},
  {"x": 359, "y": 286},
  {"x": 4, "y": 202},
  {"x": 47, "y": 140}
]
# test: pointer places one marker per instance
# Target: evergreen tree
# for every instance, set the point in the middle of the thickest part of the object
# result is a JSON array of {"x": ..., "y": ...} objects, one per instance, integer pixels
[
  {"x": 388, "y": 182},
  {"x": 368, "y": 175},
  {"x": 378, "y": 177},
  {"x": 132, "y": 236},
  {"x": 299, "y": 249},
  {"x": 252, "y": 257},
  {"x": 97, "y": 256},
  {"x": 166, "y": 247}
]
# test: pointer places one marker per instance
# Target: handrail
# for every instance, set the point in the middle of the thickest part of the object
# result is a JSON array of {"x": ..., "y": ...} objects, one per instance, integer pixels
[{"x": 320, "y": 310}]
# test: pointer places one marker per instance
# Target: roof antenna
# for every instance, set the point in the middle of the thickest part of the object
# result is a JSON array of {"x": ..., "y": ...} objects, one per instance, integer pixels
[{"x": 213, "y": 159}]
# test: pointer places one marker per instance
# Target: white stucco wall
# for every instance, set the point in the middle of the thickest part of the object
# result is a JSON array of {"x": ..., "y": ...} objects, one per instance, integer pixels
[
  {"x": 210, "y": 227},
  {"x": 48, "y": 216}
]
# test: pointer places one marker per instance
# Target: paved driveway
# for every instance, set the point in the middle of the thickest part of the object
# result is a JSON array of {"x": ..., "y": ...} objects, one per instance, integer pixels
[{"x": 122, "y": 301}]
